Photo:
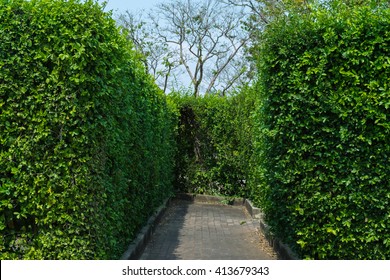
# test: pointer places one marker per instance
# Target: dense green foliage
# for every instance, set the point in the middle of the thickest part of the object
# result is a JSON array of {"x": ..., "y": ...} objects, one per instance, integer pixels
[
  {"x": 322, "y": 151},
  {"x": 214, "y": 144},
  {"x": 87, "y": 143},
  {"x": 87, "y": 140}
]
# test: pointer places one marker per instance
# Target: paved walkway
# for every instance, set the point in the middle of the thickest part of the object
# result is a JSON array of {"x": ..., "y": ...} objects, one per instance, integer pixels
[{"x": 190, "y": 231}]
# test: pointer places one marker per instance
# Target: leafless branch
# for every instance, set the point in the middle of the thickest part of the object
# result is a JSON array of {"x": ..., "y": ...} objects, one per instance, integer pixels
[{"x": 200, "y": 37}]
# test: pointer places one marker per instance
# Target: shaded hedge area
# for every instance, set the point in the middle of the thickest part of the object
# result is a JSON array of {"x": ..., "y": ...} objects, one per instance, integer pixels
[
  {"x": 214, "y": 143},
  {"x": 322, "y": 152},
  {"x": 87, "y": 139}
]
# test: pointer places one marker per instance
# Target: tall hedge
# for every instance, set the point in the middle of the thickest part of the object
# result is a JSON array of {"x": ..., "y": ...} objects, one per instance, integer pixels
[
  {"x": 323, "y": 150},
  {"x": 214, "y": 144},
  {"x": 86, "y": 138}
]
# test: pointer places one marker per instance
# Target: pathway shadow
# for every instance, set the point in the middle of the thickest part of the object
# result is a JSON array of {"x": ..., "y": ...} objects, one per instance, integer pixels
[
  {"x": 168, "y": 235},
  {"x": 191, "y": 230}
]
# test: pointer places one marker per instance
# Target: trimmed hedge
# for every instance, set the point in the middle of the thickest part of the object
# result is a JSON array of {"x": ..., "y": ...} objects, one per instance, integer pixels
[
  {"x": 214, "y": 144},
  {"x": 87, "y": 139},
  {"x": 323, "y": 151}
]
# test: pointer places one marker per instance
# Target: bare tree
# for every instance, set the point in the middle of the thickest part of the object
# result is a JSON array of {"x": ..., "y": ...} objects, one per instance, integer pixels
[
  {"x": 260, "y": 13},
  {"x": 208, "y": 39},
  {"x": 158, "y": 58},
  {"x": 201, "y": 39},
  {"x": 258, "y": 8},
  {"x": 134, "y": 27},
  {"x": 263, "y": 12}
]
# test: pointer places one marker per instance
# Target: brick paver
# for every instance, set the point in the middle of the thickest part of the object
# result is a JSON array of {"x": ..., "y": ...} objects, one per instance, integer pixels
[{"x": 190, "y": 231}]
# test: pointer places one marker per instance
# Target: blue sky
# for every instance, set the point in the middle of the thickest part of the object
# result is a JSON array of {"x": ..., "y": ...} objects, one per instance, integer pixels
[{"x": 120, "y": 6}]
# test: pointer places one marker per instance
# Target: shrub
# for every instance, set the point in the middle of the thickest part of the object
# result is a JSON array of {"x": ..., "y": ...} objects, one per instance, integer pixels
[
  {"x": 213, "y": 144},
  {"x": 322, "y": 151},
  {"x": 86, "y": 137}
]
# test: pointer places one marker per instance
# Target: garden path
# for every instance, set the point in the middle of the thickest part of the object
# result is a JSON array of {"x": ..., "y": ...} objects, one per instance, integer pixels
[{"x": 207, "y": 231}]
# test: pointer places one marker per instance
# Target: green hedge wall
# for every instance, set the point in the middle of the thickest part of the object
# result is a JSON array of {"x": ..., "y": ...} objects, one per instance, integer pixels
[
  {"x": 214, "y": 144},
  {"x": 87, "y": 139},
  {"x": 323, "y": 151}
]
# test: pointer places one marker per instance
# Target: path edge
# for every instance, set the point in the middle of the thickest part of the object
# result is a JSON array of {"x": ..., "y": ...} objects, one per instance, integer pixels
[
  {"x": 204, "y": 198},
  {"x": 284, "y": 251},
  {"x": 137, "y": 246}
]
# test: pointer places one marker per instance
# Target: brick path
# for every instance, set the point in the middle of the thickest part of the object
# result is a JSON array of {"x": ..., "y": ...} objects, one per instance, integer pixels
[{"x": 190, "y": 231}]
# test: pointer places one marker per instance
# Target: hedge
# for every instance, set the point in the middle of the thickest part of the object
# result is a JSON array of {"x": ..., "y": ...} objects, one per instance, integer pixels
[
  {"x": 322, "y": 152},
  {"x": 214, "y": 143},
  {"x": 87, "y": 139}
]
